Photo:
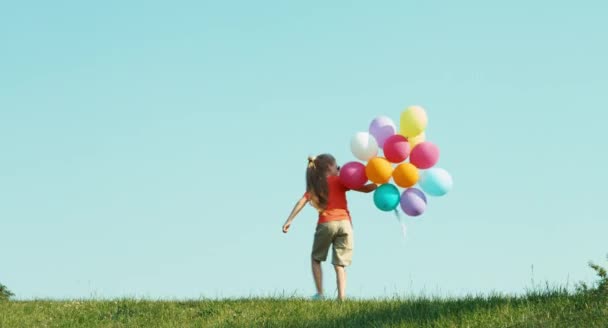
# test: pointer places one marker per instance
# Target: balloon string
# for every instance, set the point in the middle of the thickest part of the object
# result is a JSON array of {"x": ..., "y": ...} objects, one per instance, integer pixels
[{"x": 400, "y": 221}]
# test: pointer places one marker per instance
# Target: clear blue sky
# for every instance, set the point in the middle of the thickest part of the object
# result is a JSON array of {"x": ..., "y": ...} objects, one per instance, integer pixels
[{"x": 154, "y": 149}]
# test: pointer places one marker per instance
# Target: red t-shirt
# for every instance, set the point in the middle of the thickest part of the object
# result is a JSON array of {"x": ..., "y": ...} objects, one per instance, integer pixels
[{"x": 337, "y": 207}]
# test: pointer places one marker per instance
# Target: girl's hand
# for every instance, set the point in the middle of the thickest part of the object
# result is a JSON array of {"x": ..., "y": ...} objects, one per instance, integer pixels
[
  {"x": 367, "y": 188},
  {"x": 296, "y": 209}
]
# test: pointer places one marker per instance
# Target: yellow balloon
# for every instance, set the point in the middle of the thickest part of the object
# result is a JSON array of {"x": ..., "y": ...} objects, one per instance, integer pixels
[
  {"x": 416, "y": 140},
  {"x": 405, "y": 175},
  {"x": 413, "y": 121},
  {"x": 379, "y": 170}
]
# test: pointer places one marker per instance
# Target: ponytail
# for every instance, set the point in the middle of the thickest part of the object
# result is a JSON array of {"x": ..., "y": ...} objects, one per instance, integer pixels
[{"x": 316, "y": 179}]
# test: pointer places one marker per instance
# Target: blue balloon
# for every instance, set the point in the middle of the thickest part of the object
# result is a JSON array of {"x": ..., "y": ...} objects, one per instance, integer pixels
[
  {"x": 435, "y": 181},
  {"x": 386, "y": 197}
]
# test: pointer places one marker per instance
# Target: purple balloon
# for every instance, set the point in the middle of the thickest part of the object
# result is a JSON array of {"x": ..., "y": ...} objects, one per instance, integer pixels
[
  {"x": 382, "y": 128},
  {"x": 413, "y": 202}
]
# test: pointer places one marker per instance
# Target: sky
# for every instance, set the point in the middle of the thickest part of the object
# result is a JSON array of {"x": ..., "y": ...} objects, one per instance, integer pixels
[{"x": 154, "y": 149}]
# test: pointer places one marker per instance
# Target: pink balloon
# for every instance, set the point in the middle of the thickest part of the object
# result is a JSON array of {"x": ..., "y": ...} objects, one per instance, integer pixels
[
  {"x": 425, "y": 155},
  {"x": 352, "y": 175},
  {"x": 396, "y": 148}
]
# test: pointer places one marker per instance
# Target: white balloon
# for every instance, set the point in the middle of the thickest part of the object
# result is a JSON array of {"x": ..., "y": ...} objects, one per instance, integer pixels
[{"x": 364, "y": 146}]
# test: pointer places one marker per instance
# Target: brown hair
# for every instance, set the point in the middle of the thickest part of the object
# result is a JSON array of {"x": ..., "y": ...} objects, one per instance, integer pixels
[{"x": 316, "y": 182}]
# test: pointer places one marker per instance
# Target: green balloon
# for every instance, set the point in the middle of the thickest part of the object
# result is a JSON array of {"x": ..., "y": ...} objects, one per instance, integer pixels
[{"x": 386, "y": 197}]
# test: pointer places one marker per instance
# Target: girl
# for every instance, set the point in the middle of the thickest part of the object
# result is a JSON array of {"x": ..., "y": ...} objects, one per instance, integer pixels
[{"x": 325, "y": 192}]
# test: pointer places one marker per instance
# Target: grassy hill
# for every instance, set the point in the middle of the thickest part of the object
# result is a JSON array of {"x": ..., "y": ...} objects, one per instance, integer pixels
[
  {"x": 586, "y": 307},
  {"x": 549, "y": 309}
]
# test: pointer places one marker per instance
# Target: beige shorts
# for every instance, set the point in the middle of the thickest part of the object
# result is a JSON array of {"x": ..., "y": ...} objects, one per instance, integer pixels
[{"x": 336, "y": 233}]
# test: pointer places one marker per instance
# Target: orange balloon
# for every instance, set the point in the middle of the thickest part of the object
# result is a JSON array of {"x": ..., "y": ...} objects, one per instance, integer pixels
[
  {"x": 379, "y": 170},
  {"x": 405, "y": 175}
]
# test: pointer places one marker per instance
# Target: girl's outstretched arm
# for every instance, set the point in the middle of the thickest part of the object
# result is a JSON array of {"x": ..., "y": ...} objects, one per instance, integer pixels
[
  {"x": 367, "y": 188},
  {"x": 296, "y": 209}
]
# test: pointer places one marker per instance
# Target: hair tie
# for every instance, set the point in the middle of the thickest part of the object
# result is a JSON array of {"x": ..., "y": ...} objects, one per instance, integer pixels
[{"x": 311, "y": 162}]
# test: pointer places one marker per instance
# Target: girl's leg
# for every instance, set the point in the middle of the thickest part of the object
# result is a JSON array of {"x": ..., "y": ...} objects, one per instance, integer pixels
[
  {"x": 342, "y": 255},
  {"x": 341, "y": 281},
  {"x": 320, "y": 247},
  {"x": 318, "y": 276}
]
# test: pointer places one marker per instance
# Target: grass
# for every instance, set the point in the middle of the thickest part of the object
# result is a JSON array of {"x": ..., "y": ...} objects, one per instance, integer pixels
[
  {"x": 546, "y": 309},
  {"x": 586, "y": 307}
]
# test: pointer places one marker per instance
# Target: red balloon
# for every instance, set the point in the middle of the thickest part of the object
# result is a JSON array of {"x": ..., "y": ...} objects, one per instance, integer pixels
[
  {"x": 352, "y": 175},
  {"x": 396, "y": 148},
  {"x": 425, "y": 155}
]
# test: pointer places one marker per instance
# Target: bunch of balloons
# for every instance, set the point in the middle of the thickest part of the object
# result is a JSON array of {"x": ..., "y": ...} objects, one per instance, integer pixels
[{"x": 407, "y": 161}]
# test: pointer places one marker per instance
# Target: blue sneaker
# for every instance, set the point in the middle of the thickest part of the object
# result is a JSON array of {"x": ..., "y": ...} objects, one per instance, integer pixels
[{"x": 317, "y": 297}]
